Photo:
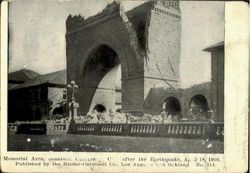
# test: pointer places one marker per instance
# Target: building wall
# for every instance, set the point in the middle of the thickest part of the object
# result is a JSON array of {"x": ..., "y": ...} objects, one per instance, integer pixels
[
  {"x": 118, "y": 100},
  {"x": 203, "y": 89},
  {"x": 105, "y": 93},
  {"x": 221, "y": 86},
  {"x": 217, "y": 58},
  {"x": 56, "y": 97},
  {"x": 157, "y": 96},
  {"x": 33, "y": 103},
  {"x": 28, "y": 104},
  {"x": 164, "y": 42}
]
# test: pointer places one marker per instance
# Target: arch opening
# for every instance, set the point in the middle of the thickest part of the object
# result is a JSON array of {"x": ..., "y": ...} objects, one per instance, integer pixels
[
  {"x": 199, "y": 102},
  {"x": 99, "y": 82},
  {"x": 101, "y": 60},
  {"x": 198, "y": 107},
  {"x": 172, "y": 106},
  {"x": 58, "y": 110},
  {"x": 118, "y": 110},
  {"x": 100, "y": 108}
]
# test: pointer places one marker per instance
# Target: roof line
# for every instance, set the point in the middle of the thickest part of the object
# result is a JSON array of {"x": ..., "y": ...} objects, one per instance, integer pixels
[
  {"x": 25, "y": 72},
  {"x": 215, "y": 46},
  {"x": 56, "y": 76}
]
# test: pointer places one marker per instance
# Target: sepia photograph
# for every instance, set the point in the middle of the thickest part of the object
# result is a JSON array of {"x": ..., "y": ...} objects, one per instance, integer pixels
[{"x": 116, "y": 76}]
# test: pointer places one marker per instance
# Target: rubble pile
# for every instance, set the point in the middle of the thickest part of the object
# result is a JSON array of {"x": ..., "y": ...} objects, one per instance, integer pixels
[
  {"x": 146, "y": 118},
  {"x": 117, "y": 117},
  {"x": 57, "y": 121},
  {"x": 105, "y": 117}
]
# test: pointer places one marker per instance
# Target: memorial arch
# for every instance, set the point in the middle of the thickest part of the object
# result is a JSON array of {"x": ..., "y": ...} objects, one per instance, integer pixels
[{"x": 127, "y": 39}]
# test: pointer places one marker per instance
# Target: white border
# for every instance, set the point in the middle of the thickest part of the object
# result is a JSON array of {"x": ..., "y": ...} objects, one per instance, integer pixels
[{"x": 4, "y": 72}]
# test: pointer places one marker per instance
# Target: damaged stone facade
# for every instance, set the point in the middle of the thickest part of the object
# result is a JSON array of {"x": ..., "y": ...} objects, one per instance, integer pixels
[
  {"x": 134, "y": 39},
  {"x": 217, "y": 86},
  {"x": 179, "y": 100},
  {"x": 145, "y": 42}
]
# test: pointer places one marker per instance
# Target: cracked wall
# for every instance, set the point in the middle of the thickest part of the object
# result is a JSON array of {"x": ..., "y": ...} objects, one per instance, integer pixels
[
  {"x": 156, "y": 97},
  {"x": 147, "y": 43},
  {"x": 164, "y": 42}
]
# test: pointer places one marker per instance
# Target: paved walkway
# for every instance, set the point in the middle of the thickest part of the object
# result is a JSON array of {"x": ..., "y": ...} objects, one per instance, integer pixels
[{"x": 81, "y": 143}]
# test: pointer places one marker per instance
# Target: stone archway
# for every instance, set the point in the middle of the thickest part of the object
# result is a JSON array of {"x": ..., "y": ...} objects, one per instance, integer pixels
[
  {"x": 134, "y": 41},
  {"x": 199, "y": 102},
  {"x": 100, "y": 108},
  {"x": 172, "y": 106},
  {"x": 198, "y": 107},
  {"x": 84, "y": 43},
  {"x": 97, "y": 82}
]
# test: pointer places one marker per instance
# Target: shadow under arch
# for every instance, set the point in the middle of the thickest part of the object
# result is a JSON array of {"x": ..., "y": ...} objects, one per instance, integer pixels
[
  {"x": 199, "y": 102},
  {"x": 101, "y": 60},
  {"x": 100, "y": 108},
  {"x": 172, "y": 106}
]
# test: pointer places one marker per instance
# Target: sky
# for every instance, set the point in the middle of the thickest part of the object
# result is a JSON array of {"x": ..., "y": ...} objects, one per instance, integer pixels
[{"x": 37, "y": 34}]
